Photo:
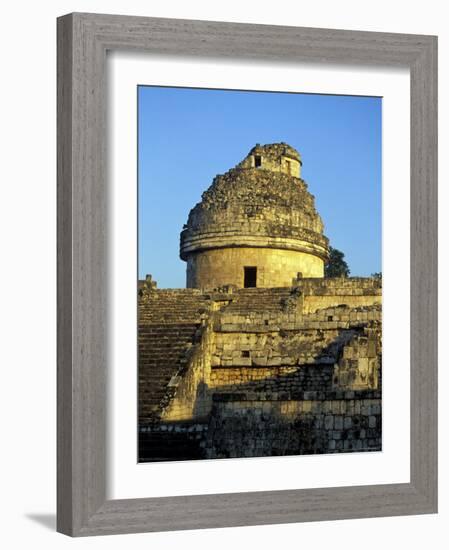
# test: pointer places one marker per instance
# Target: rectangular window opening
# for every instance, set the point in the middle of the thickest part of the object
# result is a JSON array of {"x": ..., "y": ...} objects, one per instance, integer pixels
[
  {"x": 250, "y": 278},
  {"x": 257, "y": 161}
]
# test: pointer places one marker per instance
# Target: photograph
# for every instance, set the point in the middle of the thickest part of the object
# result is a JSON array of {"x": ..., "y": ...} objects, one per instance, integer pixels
[
  {"x": 221, "y": 234},
  {"x": 259, "y": 274}
]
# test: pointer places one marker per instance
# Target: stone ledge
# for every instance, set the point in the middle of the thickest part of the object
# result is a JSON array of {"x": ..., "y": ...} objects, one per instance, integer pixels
[{"x": 336, "y": 395}]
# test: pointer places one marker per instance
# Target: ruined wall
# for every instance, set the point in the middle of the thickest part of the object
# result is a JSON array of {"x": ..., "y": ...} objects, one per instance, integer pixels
[
  {"x": 267, "y": 208},
  {"x": 336, "y": 292},
  {"x": 275, "y": 267},
  {"x": 267, "y": 426},
  {"x": 264, "y": 377},
  {"x": 191, "y": 396},
  {"x": 278, "y": 157},
  {"x": 294, "y": 383}
]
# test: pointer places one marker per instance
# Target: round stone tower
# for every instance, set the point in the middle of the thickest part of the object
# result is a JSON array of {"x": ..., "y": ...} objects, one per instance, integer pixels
[{"x": 256, "y": 225}]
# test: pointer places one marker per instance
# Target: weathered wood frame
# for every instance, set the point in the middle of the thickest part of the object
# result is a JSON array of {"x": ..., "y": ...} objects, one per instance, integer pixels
[{"x": 83, "y": 40}]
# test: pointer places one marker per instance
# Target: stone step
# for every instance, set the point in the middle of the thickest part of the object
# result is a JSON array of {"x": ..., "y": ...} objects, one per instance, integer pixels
[
  {"x": 162, "y": 354},
  {"x": 257, "y": 299},
  {"x": 180, "y": 306}
]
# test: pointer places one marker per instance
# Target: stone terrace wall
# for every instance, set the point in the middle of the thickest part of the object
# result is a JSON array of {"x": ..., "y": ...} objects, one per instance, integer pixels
[
  {"x": 332, "y": 292},
  {"x": 265, "y": 426},
  {"x": 287, "y": 383},
  {"x": 267, "y": 378}
]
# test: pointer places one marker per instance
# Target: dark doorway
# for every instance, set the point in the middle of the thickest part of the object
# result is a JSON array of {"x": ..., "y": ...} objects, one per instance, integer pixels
[{"x": 250, "y": 280}]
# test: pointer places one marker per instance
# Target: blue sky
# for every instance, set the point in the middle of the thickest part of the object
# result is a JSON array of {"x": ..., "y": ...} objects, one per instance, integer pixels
[{"x": 187, "y": 136}]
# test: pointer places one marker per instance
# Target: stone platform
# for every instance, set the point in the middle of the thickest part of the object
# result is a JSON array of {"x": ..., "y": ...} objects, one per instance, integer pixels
[{"x": 260, "y": 372}]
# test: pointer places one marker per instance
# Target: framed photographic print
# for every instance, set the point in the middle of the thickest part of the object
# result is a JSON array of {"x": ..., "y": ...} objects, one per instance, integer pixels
[
  {"x": 247, "y": 274},
  {"x": 265, "y": 345}
]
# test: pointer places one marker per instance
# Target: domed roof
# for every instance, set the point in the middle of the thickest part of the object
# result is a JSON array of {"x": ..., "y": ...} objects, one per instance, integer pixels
[{"x": 261, "y": 202}]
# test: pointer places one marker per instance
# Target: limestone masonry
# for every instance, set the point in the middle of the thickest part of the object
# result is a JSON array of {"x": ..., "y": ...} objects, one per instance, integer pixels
[
  {"x": 258, "y": 215},
  {"x": 260, "y": 355}
]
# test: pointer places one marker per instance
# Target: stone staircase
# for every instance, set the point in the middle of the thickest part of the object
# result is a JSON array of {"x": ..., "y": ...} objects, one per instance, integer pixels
[
  {"x": 162, "y": 350},
  {"x": 260, "y": 300},
  {"x": 168, "y": 324},
  {"x": 168, "y": 321},
  {"x": 172, "y": 306}
]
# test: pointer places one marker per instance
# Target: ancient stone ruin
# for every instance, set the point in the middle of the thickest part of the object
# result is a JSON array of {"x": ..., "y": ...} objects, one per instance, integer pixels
[
  {"x": 255, "y": 226},
  {"x": 260, "y": 355}
]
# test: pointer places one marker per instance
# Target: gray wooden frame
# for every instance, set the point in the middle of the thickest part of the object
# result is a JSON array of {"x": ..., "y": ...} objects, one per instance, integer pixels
[{"x": 83, "y": 40}]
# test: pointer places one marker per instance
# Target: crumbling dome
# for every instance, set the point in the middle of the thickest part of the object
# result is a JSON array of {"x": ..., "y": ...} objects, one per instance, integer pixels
[{"x": 256, "y": 225}]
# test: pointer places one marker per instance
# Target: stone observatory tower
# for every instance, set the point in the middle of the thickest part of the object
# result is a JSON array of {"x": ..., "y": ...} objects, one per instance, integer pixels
[{"x": 256, "y": 225}]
